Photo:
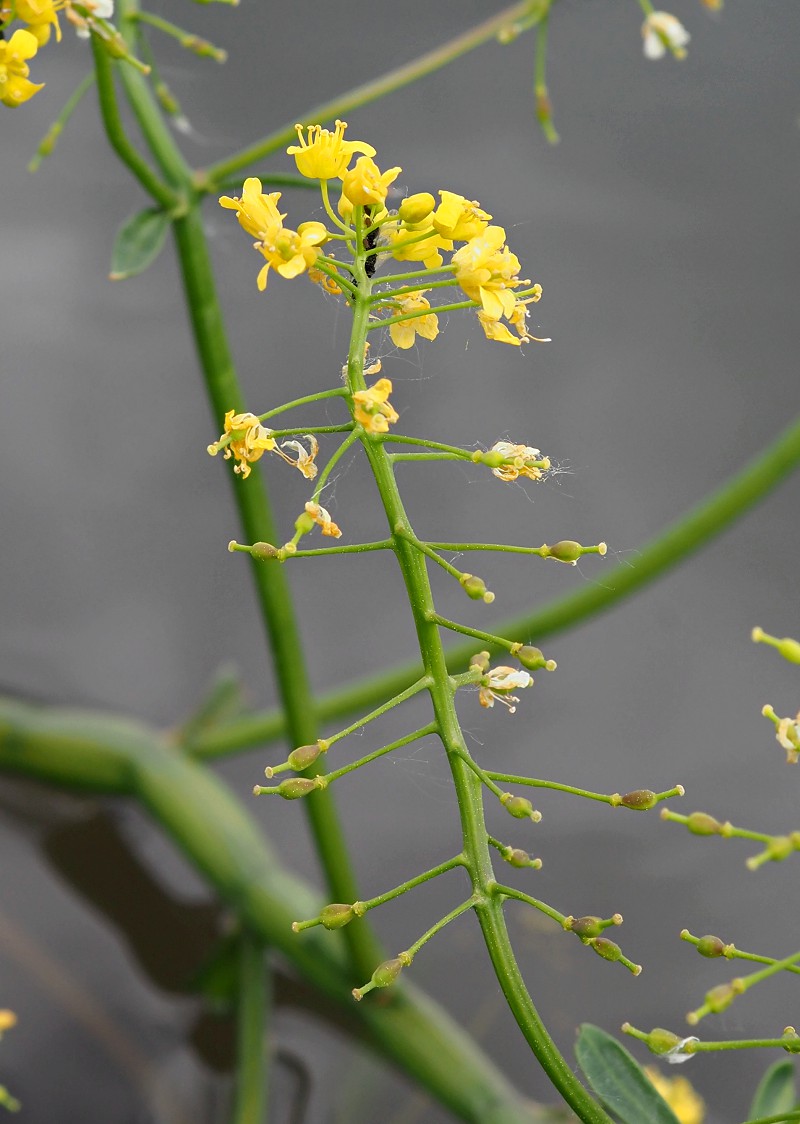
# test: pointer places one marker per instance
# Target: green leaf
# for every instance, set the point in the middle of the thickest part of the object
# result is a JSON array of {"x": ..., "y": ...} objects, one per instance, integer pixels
[
  {"x": 618, "y": 1079},
  {"x": 775, "y": 1092},
  {"x": 138, "y": 243}
]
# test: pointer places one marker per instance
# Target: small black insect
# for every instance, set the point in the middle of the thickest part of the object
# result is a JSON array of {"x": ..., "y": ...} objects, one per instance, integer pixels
[{"x": 369, "y": 243}]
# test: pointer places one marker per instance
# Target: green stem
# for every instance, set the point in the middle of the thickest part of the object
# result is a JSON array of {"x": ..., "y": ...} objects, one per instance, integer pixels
[
  {"x": 115, "y": 130},
  {"x": 412, "y": 883},
  {"x": 370, "y": 91},
  {"x": 468, "y": 786},
  {"x": 250, "y": 495},
  {"x": 487, "y": 637},
  {"x": 423, "y": 732},
  {"x": 337, "y": 392},
  {"x": 252, "y": 1009},
  {"x": 271, "y": 587},
  {"x": 323, "y": 476}
]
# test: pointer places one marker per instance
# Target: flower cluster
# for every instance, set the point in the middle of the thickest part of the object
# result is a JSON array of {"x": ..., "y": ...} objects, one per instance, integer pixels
[
  {"x": 420, "y": 231},
  {"x": 40, "y": 17}
]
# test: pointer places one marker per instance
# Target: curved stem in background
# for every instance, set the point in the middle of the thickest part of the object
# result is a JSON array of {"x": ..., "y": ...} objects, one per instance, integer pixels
[
  {"x": 95, "y": 753},
  {"x": 210, "y": 179},
  {"x": 692, "y": 531}
]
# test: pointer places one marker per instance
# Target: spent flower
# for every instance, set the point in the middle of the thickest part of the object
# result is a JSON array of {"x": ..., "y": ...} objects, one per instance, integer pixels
[
  {"x": 663, "y": 32},
  {"x": 246, "y": 439},
  {"x": 522, "y": 461},
  {"x": 323, "y": 520},
  {"x": 372, "y": 408},
  {"x": 498, "y": 685}
]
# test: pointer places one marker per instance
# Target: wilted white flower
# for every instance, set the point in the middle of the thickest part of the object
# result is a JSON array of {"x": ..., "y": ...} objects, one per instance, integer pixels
[{"x": 661, "y": 32}]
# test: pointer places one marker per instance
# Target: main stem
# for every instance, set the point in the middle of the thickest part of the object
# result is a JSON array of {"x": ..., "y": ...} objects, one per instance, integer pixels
[{"x": 488, "y": 905}]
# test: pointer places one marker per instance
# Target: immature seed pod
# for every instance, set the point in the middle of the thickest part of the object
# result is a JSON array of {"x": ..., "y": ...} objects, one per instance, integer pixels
[
  {"x": 337, "y": 915},
  {"x": 303, "y": 756},
  {"x": 606, "y": 948},
  {"x": 264, "y": 551},
  {"x": 565, "y": 551},
  {"x": 640, "y": 800},
  {"x": 699, "y": 823},
  {"x": 710, "y": 946},
  {"x": 296, "y": 787}
]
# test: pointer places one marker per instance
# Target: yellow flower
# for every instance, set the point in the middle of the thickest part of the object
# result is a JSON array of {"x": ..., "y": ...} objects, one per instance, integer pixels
[
  {"x": 425, "y": 250},
  {"x": 246, "y": 439},
  {"x": 521, "y": 458},
  {"x": 257, "y": 213},
  {"x": 459, "y": 218},
  {"x": 324, "y": 280},
  {"x": 498, "y": 684},
  {"x": 323, "y": 520},
  {"x": 487, "y": 271},
  {"x": 365, "y": 184},
  {"x": 684, "y": 1101},
  {"x": 323, "y": 155},
  {"x": 7, "y": 1020},
  {"x": 495, "y": 330},
  {"x": 404, "y": 332},
  {"x": 305, "y": 460},
  {"x": 373, "y": 410},
  {"x": 39, "y": 15},
  {"x": 290, "y": 252},
  {"x": 14, "y": 85}
]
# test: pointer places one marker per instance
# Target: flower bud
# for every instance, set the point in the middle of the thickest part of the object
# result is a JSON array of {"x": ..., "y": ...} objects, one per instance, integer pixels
[
  {"x": 515, "y": 856},
  {"x": 480, "y": 662},
  {"x": 337, "y": 915},
  {"x": 640, "y": 800},
  {"x": 416, "y": 208}
]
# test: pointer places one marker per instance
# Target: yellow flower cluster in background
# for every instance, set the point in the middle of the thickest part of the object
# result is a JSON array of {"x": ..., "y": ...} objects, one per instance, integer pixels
[{"x": 40, "y": 17}]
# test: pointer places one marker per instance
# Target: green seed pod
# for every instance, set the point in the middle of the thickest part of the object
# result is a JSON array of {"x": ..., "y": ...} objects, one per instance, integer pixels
[
  {"x": 710, "y": 946},
  {"x": 721, "y": 997},
  {"x": 303, "y": 756},
  {"x": 387, "y": 972},
  {"x": 517, "y": 806},
  {"x": 531, "y": 658},
  {"x": 517, "y": 857},
  {"x": 473, "y": 586},
  {"x": 640, "y": 800},
  {"x": 264, "y": 551},
  {"x": 303, "y": 523},
  {"x": 296, "y": 787},
  {"x": 586, "y": 927},
  {"x": 790, "y": 649},
  {"x": 660, "y": 1041},
  {"x": 565, "y": 551},
  {"x": 606, "y": 948},
  {"x": 336, "y": 916},
  {"x": 701, "y": 824}
]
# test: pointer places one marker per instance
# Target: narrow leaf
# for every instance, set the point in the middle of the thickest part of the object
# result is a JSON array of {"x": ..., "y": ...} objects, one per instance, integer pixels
[
  {"x": 138, "y": 243},
  {"x": 775, "y": 1092},
  {"x": 618, "y": 1079}
]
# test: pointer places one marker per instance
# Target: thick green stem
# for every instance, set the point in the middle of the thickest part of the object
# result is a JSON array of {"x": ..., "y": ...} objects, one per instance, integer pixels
[
  {"x": 271, "y": 586},
  {"x": 487, "y": 905}
]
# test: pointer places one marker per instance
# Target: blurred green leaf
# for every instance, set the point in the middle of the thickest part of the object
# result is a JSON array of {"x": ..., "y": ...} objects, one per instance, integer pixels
[
  {"x": 138, "y": 243},
  {"x": 618, "y": 1079},
  {"x": 775, "y": 1092}
]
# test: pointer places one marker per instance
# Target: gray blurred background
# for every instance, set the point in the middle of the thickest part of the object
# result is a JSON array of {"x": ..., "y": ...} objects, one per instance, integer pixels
[{"x": 663, "y": 229}]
